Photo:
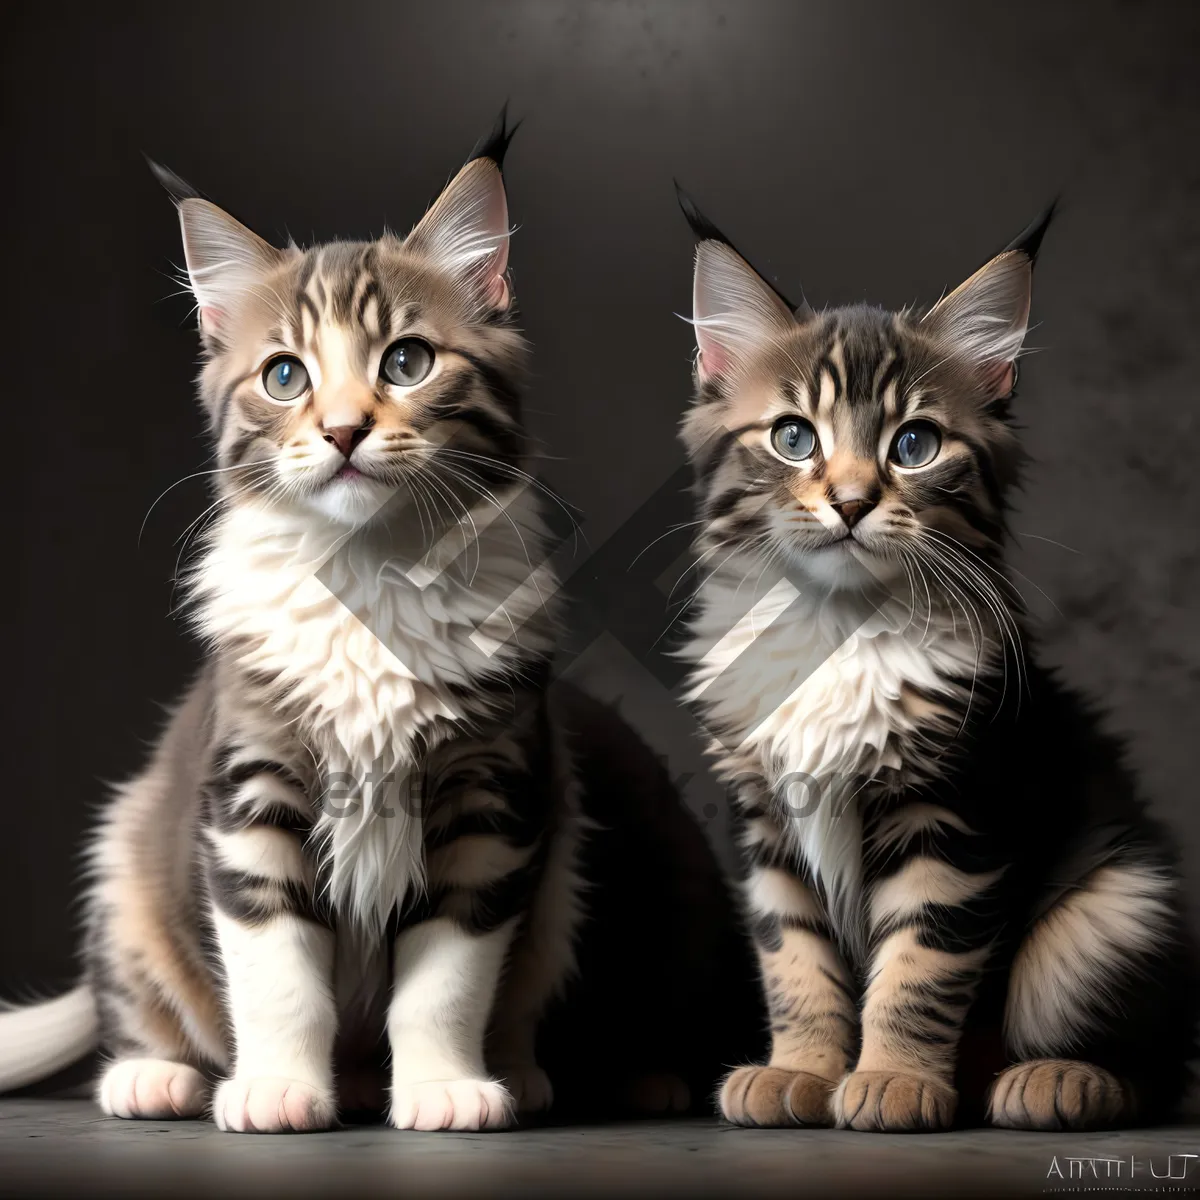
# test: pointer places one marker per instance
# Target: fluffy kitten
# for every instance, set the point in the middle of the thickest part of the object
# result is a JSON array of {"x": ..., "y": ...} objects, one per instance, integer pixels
[
  {"x": 949, "y": 871},
  {"x": 367, "y": 813}
]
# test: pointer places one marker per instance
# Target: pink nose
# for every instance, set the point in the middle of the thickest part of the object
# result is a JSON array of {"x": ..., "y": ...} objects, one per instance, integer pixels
[
  {"x": 346, "y": 437},
  {"x": 853, "y": 511}
]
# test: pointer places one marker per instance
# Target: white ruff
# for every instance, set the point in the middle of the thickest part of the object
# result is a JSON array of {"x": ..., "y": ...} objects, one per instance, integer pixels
[
  {"x": 368, "y": 668},
  {"x": 816, "y": 696}
]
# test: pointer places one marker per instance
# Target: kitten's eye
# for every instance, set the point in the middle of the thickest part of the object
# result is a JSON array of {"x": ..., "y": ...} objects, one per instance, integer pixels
[
  {"x": 916, "y": 444},
  {"x": 794, "y": 438},
  {"x": 406, "y": 362},
  {"x": 285, "y": 378}
]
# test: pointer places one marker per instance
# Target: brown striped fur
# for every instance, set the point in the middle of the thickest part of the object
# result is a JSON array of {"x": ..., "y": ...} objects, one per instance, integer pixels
[{"x": 941, "y": 849}]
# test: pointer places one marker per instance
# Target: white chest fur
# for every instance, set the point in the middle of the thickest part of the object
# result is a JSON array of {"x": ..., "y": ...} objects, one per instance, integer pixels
[
  {"x": 820, "y": 690},
  {"x": 367, "y": 644}
]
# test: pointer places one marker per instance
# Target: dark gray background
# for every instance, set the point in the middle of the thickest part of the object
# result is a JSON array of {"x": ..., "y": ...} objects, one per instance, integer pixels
[{"x": 875, "y": 151}]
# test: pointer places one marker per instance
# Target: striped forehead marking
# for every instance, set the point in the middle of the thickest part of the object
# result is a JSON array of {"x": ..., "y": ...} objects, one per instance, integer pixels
[{"x": 342, "y": 286}]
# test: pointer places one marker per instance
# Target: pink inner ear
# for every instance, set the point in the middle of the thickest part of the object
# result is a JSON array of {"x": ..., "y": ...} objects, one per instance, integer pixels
[
  {"x": 999, "y": 378},
  {"x": 210, "y": 320},
  {"x": 712, "y": 359},
  {"x": 497, "y": 293}
]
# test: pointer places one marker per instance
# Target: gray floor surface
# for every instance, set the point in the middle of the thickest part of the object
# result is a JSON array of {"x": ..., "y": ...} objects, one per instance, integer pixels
[{"x": 65, "y": 1147}]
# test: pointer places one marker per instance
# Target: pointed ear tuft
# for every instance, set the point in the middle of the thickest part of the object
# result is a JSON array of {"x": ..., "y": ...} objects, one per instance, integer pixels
[
  {"x": 225, "y": 262},
  {"x": 465, "y": 234},
  {"x": 705, "y": 231},
  {"x": 985, "y": 319},
  {"x": 1029, "y": 240},
  {"x": 734, "y": 309},
  {"x": 175, "y": 187},
  {"x": 494, "y": 145},
  {"x": 700, "y": 225}
]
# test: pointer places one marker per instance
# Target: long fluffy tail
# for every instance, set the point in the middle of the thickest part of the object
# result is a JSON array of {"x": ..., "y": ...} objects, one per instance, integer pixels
[{"x": 39, "y": 1039}]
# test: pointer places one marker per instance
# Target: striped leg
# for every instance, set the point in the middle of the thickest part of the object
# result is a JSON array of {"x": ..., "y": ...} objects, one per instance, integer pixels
[
  {"x": 932, "y": 926},
  {"x": 485, "y": 836},
  {"x": 811, "y": 1005},
  {"x": 276, "y": 954}
]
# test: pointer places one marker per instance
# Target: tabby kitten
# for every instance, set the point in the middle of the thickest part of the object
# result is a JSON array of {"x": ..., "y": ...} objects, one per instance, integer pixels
[
  {"x": 953, "y": 884},
  {"x": 367, "y": 737},
  {"x": 368, "y": 792}
]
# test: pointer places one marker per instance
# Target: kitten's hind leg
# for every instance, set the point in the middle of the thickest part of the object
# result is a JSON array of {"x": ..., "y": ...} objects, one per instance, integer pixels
[
  {"x": 541, "y": 961},
  {"x": 512, "y": 1058},
  {"x": 1100, "y": 1004},
  {"x": 152, "y": 1089},
  {"x": 1059, "y": 1094}
]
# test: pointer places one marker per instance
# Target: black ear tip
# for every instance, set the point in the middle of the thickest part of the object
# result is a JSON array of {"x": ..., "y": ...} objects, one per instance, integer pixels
[
  {"x": 705, "y": 231},
  {"x": 494, "y": 145},
  {"x": 1029, "y": 240},
  {"x": 701, "y": 226},
  {"x": 175, "y": 187}
]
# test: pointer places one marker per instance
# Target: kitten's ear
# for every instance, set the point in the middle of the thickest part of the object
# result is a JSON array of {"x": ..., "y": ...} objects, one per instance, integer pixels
[
  {"x": 225, "y": 260},
  {"x": 985, "y": 319},
  {"x": 734, "y": 309},
  {"x": 466, "y": 231}
]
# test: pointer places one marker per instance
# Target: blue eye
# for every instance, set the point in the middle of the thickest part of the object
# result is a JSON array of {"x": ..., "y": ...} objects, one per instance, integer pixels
[
  {"x": 406, "y": 362},
  {"x": 285, "y": 378},
  {"x": 794, "y": 438},
  {"x": 916, "y": 444}
]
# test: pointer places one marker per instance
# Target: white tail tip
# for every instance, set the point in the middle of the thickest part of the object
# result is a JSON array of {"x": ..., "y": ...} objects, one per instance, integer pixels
[{"x": 39, "y": 1039}]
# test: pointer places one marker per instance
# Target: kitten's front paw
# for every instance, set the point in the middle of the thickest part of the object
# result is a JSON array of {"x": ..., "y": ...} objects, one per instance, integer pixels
[
  {"x": 893, "y": 1102},
  {"x": 268, "y": 1105},
  {"x": 775, "y": 1096},
  {"x": 460, "y": 1104},
  {"x": 529, "y": 1086},
  {"x": 152, "y": 1089}
]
